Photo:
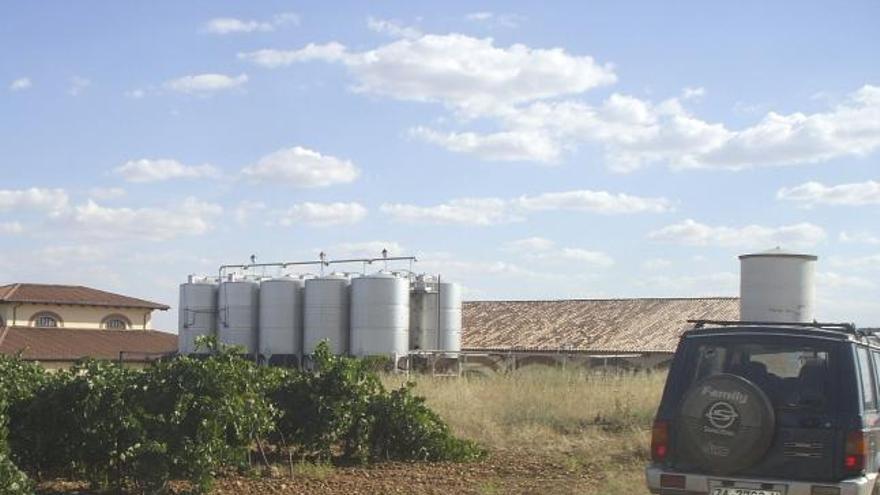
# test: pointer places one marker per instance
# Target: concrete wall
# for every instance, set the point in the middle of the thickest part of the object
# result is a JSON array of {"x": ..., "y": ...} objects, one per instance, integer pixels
[{"x": 73, "y": 316}]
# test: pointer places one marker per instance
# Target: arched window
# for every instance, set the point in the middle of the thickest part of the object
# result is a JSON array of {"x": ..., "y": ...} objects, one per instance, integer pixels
[
  {"x": 46, "y": 319},
  {"x": 116, "y": 322}
]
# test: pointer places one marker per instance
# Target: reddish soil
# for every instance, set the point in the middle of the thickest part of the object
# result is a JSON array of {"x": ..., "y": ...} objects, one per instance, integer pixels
[{"x": 501, "y": 472}]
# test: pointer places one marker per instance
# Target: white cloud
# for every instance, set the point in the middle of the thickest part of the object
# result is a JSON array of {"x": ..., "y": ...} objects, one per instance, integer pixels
[
  {"x": 458, "y": 269},
  {"x": 20, "y": 84},
  {"x": 693, "y": 93},
  {"x": 492, "y": 19},
  {"x": 539, "y": 248},
  {"x": 492, "y": 211},
  {"x": 692, "y": 233},
  {"x": 479, "y": 16},
  {"x": 228, "y": 25},
  {"x": 854, "y": 194},
  {"x": 464, "y": 211},
  {"x": 321, "y": 214},
  {"x": 369, "y": 249},
  {"x": 106, "y": 192},
  {"x": 596, "y": 258},
  {"x": 11, "y": 228},
  {"x": 682, "y": 140},
  {"x": 632, "y": 131},
  {"x": 500, "y": 146},
  {"x": 246, "y": 209},
  {"x": 78, "y": 85},
  {"x": 635, "y": 133},
  {"x": 467, "y": 73},
  {"x": 530, "y": 244},
  {"x": 595, "y": 202},
  {"x": 859, "y": 237},
  {"x": 269, "y": 58},
  {"x": 703, "y": 285},
  {"x": 392, "y": 28},
  {"x": 53, "y": 201},
  {"x": 190, "y": 218},
  {"x": 835, "y": 280},
  {"x": 156, "y": 170},
  {"x": 66, "y": 254},
  {"x": 203, "y": 84},
  {"x": 655, "y": 264},
  {"x": 527, "y": 96},
  {"x": 302, "y": 167},
  {"x": 136, "y": 94},
  {"x": 231, "y": 25},
  {"x": 849, "y": 128},
  {"x": 860, "y": 262}
]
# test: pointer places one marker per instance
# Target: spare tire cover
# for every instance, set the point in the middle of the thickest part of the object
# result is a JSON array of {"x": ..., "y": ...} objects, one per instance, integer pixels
[{"x": 726, "y": 424}]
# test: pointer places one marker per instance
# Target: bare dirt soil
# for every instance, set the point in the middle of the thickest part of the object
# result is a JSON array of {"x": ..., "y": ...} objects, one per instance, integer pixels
[{"x": 500, "y": 473}]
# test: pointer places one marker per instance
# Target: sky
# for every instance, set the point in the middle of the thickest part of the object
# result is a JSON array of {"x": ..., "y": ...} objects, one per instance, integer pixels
[{"x": 526, "y": 150}]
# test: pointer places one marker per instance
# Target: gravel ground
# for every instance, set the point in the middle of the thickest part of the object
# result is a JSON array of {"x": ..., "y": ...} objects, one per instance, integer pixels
[{"x": 500, "y": 473}]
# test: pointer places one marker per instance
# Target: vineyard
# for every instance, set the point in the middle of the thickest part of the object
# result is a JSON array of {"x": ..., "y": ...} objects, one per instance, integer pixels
[{"x": 199, "y": 419}]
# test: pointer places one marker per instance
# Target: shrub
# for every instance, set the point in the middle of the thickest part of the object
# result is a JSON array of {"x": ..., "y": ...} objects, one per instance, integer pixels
[
  {"x": 344, "y": 406},
  {"x": 184, "y": 418},
  {"x": 327, "y": 408},
  {"x": 40, "y": 428},
  {"x": 191, "y": 418},
  {"x": 85, "y": 420},
  {"x": 404, "y": 428},
  {"x": 12, "y": 480},
  {"x": 17, "y": 383},
  {"x": 204, "y": 414},
  {"x": 19, "y": 379},
  {"x": 103, "y": 418}
]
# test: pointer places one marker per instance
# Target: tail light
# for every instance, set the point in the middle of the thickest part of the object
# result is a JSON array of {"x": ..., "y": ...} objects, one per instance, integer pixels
[
  {"x": 660, "y": 441},
  {"x": 856, "y": 452}
]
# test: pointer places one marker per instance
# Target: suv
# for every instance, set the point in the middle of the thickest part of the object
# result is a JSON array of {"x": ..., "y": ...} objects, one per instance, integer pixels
[{"x": 769, "y": 409}]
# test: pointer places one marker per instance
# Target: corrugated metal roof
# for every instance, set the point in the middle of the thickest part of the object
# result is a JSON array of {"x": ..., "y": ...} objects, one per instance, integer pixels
[
  {"x": 597, "y": 325},
  {"x": 71, "y": 294},
  {"x": 67, "y": 344}
]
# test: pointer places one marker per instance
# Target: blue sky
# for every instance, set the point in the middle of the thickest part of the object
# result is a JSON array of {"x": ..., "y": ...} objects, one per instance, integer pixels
[{"x": 527, "y": 150}]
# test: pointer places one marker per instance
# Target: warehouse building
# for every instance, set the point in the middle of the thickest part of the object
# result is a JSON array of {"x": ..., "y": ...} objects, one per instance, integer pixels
[
  {"x": 638, "y": 333},
  {"x": 59, "y": 324}
]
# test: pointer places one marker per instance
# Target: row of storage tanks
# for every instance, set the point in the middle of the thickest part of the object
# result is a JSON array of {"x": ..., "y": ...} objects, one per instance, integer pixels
[{"x": 282, "y": 319}]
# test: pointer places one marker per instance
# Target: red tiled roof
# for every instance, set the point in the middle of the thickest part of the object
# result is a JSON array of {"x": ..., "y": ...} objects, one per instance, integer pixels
[
  {"x": 67, "y": 344},
  {"x": 596, "y": 325},
  {"x": 71, "y": 294}
]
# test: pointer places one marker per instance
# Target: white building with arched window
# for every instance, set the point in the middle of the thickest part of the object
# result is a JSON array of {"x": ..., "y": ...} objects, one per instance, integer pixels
[{"x": 63, "y": 323}]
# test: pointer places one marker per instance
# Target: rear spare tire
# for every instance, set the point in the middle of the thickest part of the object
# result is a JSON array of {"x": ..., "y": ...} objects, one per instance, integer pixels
[{"x": 725, "y": 424}]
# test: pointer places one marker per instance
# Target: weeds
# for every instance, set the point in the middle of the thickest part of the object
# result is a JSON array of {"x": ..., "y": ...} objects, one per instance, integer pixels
[
  {"x": 593, "y": 424},
  {"x": 312, "y": 470}
]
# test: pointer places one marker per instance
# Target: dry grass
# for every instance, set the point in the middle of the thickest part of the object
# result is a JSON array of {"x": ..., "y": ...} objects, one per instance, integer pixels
[{"x": 595, "y": 424}]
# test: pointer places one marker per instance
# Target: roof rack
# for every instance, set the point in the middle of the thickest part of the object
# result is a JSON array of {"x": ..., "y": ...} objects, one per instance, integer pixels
[{"x": 846, "y": 327}]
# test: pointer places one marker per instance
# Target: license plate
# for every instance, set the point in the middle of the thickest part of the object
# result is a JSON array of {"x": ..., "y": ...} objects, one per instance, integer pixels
[{"x": 744, "y": 491}]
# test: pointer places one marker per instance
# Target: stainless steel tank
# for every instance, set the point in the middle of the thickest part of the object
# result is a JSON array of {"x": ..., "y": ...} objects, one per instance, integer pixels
[
  {"x": 424, "y": 317},
  {"x": 280, "y": 317},
  {"x": 238, "y": 314},
  {"x": 380, "y": 315},
  {"x": 450, "y": 317},
  {"x": 197, "y": 313},
  {"x": 326, "y": 309}
]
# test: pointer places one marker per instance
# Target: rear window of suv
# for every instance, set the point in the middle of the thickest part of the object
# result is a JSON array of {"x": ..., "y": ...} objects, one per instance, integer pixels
[{"x": 794, "y": 374}]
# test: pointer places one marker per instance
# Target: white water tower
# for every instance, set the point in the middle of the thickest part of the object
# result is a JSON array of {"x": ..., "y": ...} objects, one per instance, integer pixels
[{"x": 777, "y": 286}]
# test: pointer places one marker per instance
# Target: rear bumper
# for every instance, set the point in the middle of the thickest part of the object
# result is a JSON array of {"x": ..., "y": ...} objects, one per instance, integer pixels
[{"x": 700, "y": 484}]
